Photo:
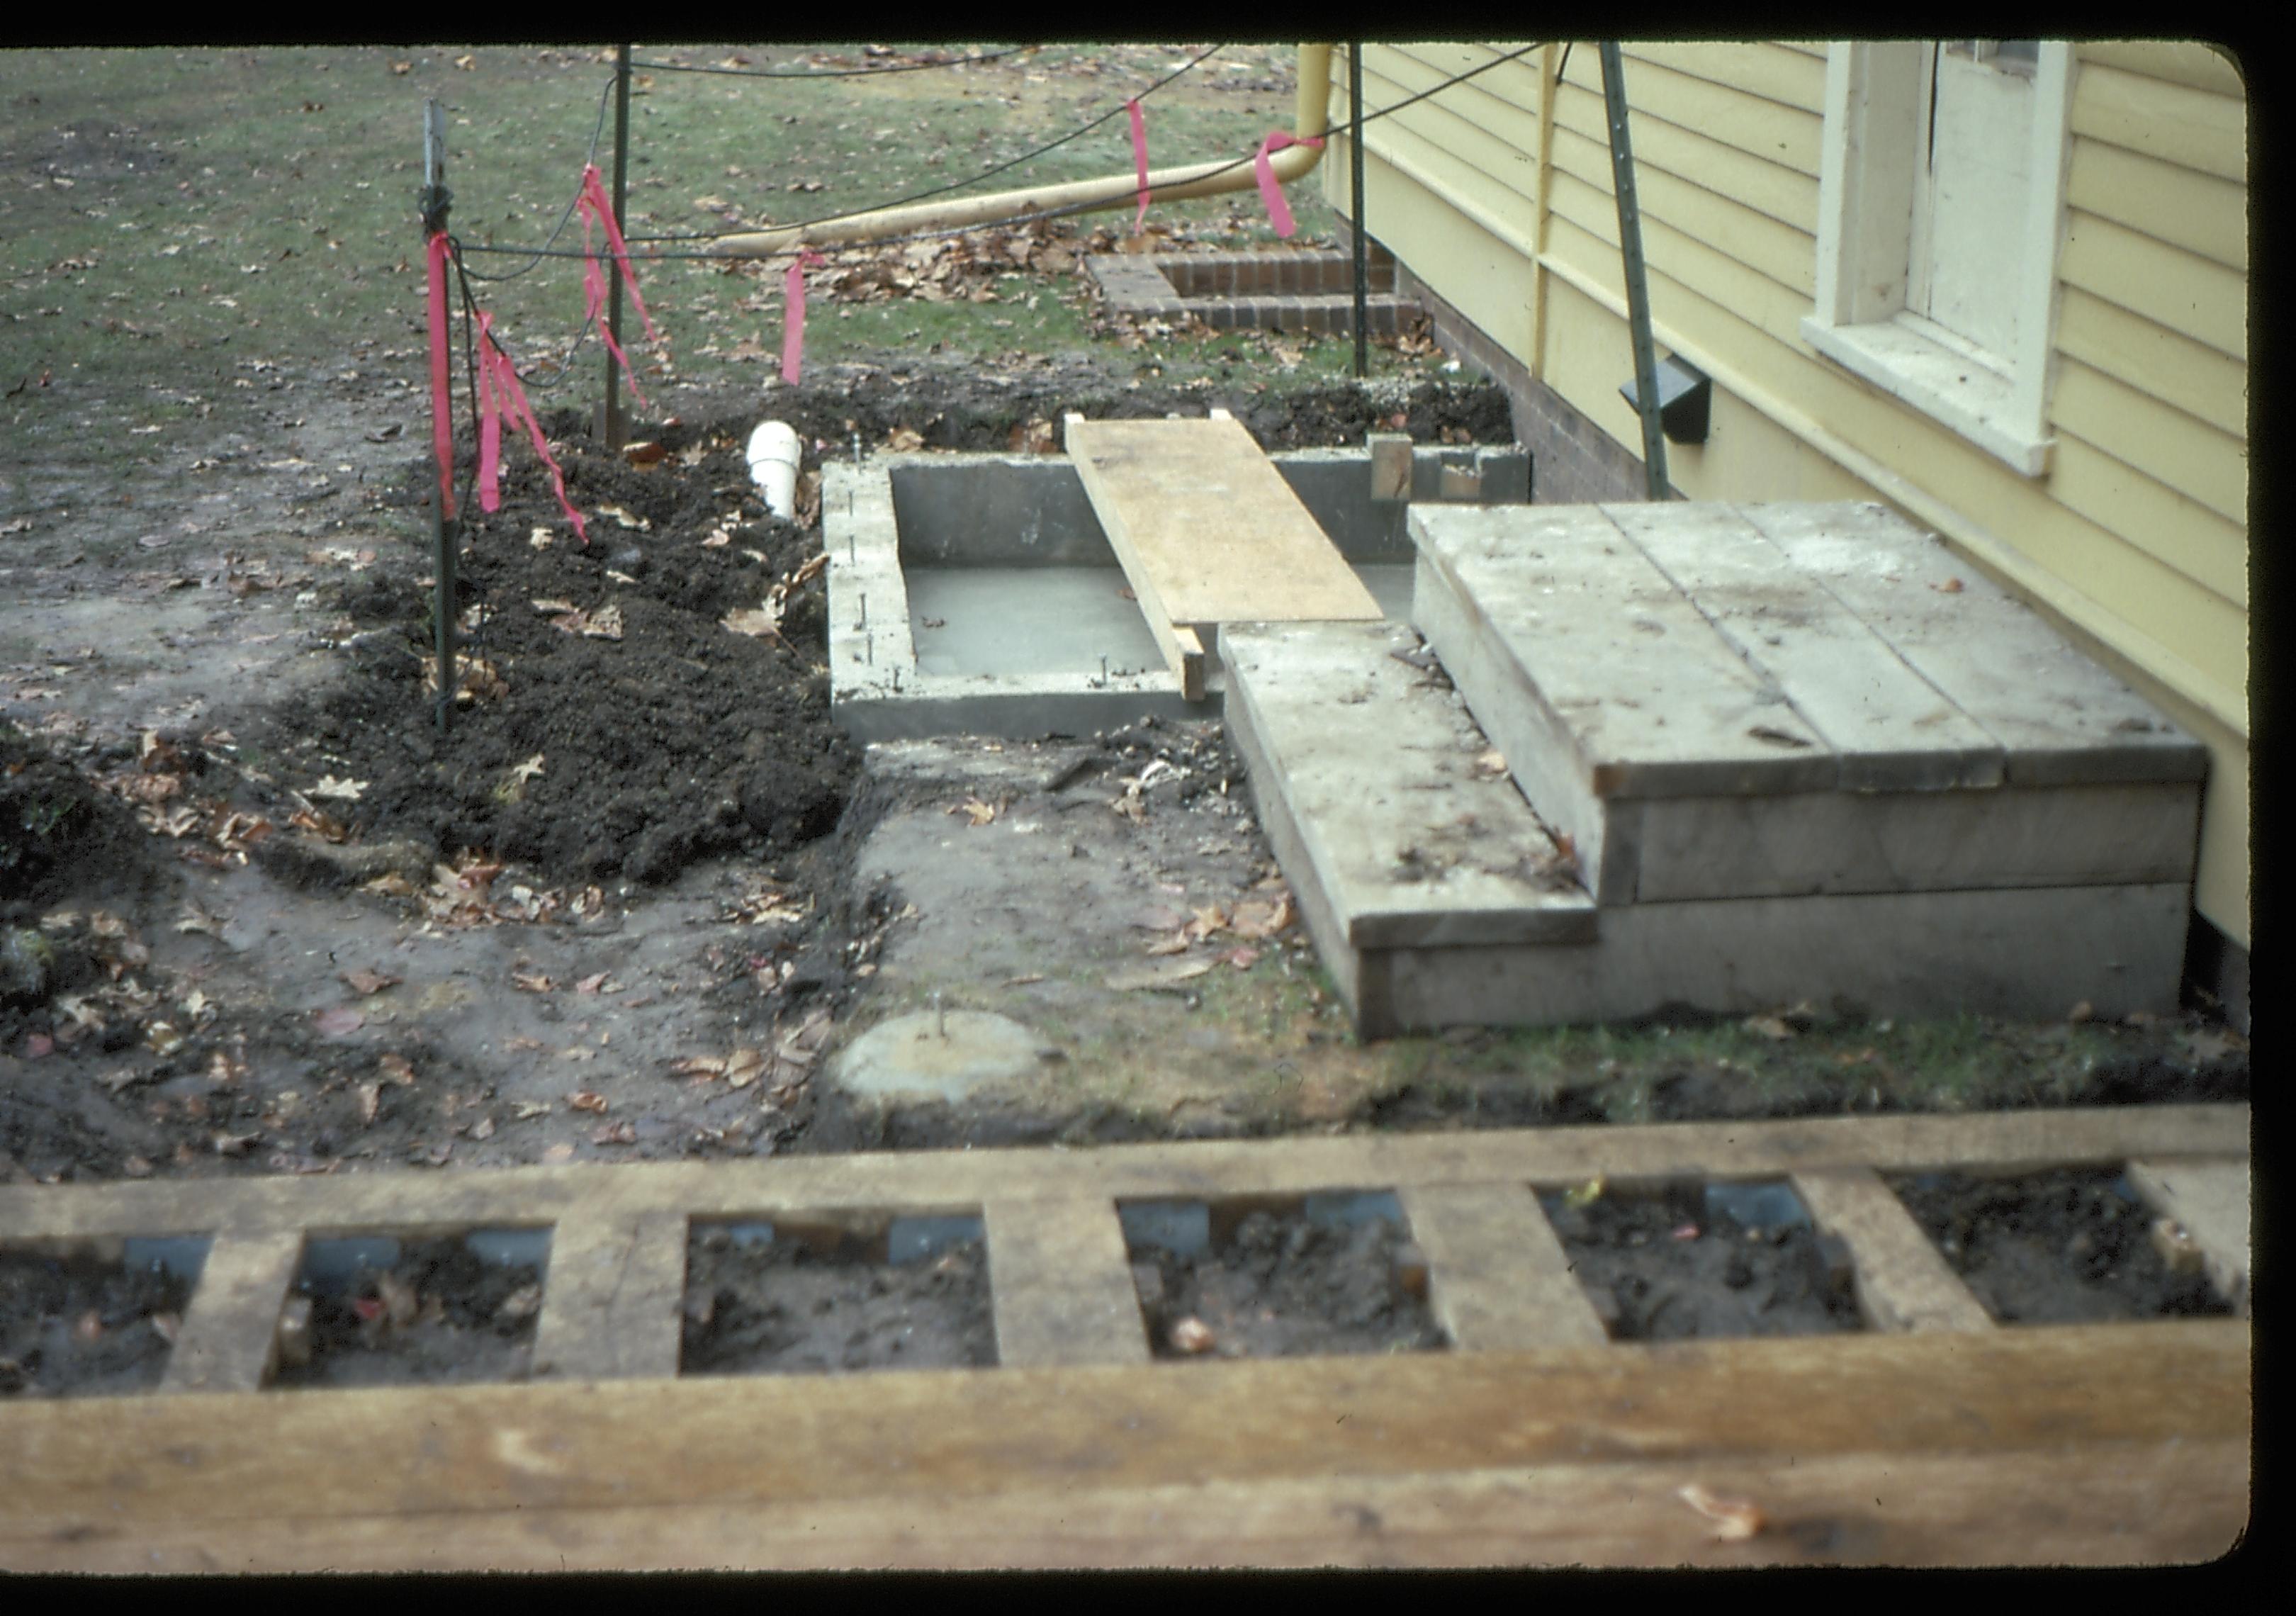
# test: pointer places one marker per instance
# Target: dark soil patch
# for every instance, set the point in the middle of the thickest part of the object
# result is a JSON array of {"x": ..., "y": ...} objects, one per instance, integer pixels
[
  {"x": 793, "y": 1306},
  {"x": 2066, "y": 1247},
  {"x": 1281, "y": 1284},
  {"x": 437, "y": 1313},
  {"x": 56, "y": 829},
  {"x": 1671, "y": 1266},
  {"x": 82, "y": 1325}
]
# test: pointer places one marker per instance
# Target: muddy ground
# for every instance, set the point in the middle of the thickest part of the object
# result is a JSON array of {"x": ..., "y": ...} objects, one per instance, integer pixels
[{"x": 785, "y": 1306}]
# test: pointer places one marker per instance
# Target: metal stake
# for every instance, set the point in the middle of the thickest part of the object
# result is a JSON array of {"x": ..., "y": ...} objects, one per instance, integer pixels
[
  {"x": 433, "y": 204},
  {"x": 609, "y": 426},
  {"x": 1356, "y": 215},
  {"x": 1630, "y": 251}
]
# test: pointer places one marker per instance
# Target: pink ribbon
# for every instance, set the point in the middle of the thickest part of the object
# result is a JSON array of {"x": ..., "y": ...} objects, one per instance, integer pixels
[
  {"x": 593, "y": 195},
  {"x": 489, "y": 422},
  {"x": 515, "y": 407},
  {"x": 1278, "y": 214},
  {"x": 593, "y": 289},
  {"x": 794, "y": 313},
  {"x": 442, "y": 421},
  {"x": 1139, "y": 159}
]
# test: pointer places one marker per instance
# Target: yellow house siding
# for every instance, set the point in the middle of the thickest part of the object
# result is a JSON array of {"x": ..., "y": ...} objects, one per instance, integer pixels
[
  {"x": 2192, "y": 128},
  {"x": 2196, "y": 212},
  {"x": 2136, "y": 535},
  {"x": 2192, "y": 377}
]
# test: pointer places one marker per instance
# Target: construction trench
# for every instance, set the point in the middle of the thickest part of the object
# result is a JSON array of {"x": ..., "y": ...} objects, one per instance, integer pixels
[{"x": 1750, "y": 762}]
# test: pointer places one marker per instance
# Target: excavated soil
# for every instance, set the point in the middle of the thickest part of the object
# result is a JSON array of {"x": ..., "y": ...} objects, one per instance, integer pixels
[
  {"x": 437, "y": 1315},
  {"x": 82, "y": 1325},
  {"x": 788, "y": 1306}
]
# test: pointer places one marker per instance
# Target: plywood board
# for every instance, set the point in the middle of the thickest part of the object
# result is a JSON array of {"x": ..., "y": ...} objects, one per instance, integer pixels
[
  {"x": 1654, "y": 701},
  {"x": 2061, "y": 718},
  {"x": 1892, "y": 729},
  {"x": 1207, "y": 529}
]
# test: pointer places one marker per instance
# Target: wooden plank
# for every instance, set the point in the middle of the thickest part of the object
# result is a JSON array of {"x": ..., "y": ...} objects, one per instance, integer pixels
[
  {"x": 1405, "y": 836},
  {"x": 942, "y": 1181},
  {"x": 1203, "y": 519},
  {"x": 1892, "y": 729},
  {"x": 2061, "y": 719},
  {"x": 897, "y": 1438},
  {"x": 1655, "y": 702},
  {"x": 1061, "y": 1281},
  {"x": 2211, "y": 1199},
  {"x": 613, "y": 1299},
  {"x": 1497, "y": 1277},
  {"x": 2166, "y": 1501},
  {"x": 1902, "y": 1283},
  {"x": 229, "y": 1338}
]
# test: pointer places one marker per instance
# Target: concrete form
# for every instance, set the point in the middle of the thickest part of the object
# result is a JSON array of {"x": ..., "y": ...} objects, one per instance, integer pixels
[{"x": 978, "y": 593}]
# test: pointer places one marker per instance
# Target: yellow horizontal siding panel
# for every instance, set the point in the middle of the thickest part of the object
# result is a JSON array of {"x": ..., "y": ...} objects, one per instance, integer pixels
[
  {"x": 1487, "y": 198},
  {"x": 2192, "y": 128},
  {"x": 1678, "y": 261},
  {"x": 1480, "y": 270},
  {"x": 1755, "y": 66},
  {"x": 2168, "y": 446},
  {"x": 1783, "y": 193},
  {"x": 2188, "y": 62},
  {"x": 2197, "y": 541},
  {"x": 1767, "y": 129},
  {"x": 2197, "y": 212},
  {"x": 1462, "y": 108},
  {"x": 1784, "y": 254},
  {"x": 2192, "y": 376},
  {"x": 2166, "y": 284},
  {"x": 1515, "y": 83}
]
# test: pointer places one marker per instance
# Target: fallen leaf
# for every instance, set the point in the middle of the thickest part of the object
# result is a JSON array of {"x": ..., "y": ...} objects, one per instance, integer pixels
[
  {"x": 393, "y": 885},
  {"x": 526, "y": 1111},
  {"x": 521, "y": 1303},
  {"x": 532, "y": 981},
  {"x": 88, "y": 1327},
  {"x": 397, "y": 1068},
  {"x": 976, "y": 811},
  {"x": 340, "y": 1020},
  {"x": 346, "y": 790},
  {"x": 1735, "y": 1519},
  {"x": 1158, "y": 978},
  {"x": 524, "y": 1043},
  {"x": 594, "y": 984},
  {"x": 616, "y": 1133},
  {"x": 745, "y": 1067},
  {"x": 541, "y": 538},
  {"x": 367, "y": 983},
  {"x": 603, "y": 624},
  {"x": 645, "y": 452},
  {"x": 1262, "y": 920},
  {"x": 585, "y": 1099},
  {"x": 1491, "y": 764},
  {"x": 483, "y": 1129},
  {"x": 369, "y": 1098},
  {"x": 528, "y": 770},
  {"x": 904, "y": 441},
  {"x": 1768, "y": 1027},
  {"x": 1951, "y": 586},
  {"x": 1178, "y": 943},
  {"x": 1584, "y": 1194},
  {"x": 758, "y": 622},
  {"x": 1241, "y": 958}
]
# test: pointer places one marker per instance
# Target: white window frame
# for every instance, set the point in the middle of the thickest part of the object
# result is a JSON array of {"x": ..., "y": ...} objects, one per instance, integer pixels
[{"x": 1865, "y": 193}]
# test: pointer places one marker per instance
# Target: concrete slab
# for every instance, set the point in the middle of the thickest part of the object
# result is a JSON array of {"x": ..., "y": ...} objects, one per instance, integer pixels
[
  {"x": 935, "y": 1056},
  {"x": 1405, "y": 839}
]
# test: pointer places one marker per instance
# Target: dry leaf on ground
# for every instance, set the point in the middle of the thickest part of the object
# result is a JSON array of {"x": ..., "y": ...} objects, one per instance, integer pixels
[
  {"x": 369, "y": 982},
  {"x": 1735, "y": 1519},
  {"x": 585, "y": 1099}
]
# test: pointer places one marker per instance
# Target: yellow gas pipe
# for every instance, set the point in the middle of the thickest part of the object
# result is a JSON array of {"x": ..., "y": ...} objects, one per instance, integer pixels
[{"x": 1310, "y": 120}]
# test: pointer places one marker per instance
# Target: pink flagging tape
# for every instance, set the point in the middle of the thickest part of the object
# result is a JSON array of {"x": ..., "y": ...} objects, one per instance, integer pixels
[
  {"x": 594, "y": 193},
  {"x": 594, "y": 291},
  {"x": 1139, "y": 159},
  {"x": 489, "y": 422},
  {"x": 1279, "y": 213},
  {"x": 442, "y": 423},
  {"x": 518, "y": 409},
  {"x": 794, "y": 313}
]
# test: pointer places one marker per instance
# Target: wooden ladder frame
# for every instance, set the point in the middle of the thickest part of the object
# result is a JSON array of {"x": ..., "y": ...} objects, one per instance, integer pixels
[{"x": 1934, "y": 1438}]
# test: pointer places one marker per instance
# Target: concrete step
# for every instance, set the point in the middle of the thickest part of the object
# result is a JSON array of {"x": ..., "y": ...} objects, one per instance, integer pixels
[{"x": 1718, "y": 702}]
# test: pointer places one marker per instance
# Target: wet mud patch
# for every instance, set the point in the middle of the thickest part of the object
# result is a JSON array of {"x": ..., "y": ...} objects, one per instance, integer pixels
[
  {"x": 86, "y": 1322},
  {"x": 2072, "y": 1246},
  {"x": 767, "y": 1300},
  {"x": 1693, "y": 1261},
  {"x": 373, "y": 1311},
  {"x": 1327, "y": 1273}
]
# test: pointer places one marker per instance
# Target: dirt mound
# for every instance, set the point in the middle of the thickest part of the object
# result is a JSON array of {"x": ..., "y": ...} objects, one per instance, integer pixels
[{"x": 54, "y": 826}]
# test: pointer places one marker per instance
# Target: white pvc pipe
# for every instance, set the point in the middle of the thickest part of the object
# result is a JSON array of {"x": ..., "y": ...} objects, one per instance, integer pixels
[{"x": 774, "y": 454}]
